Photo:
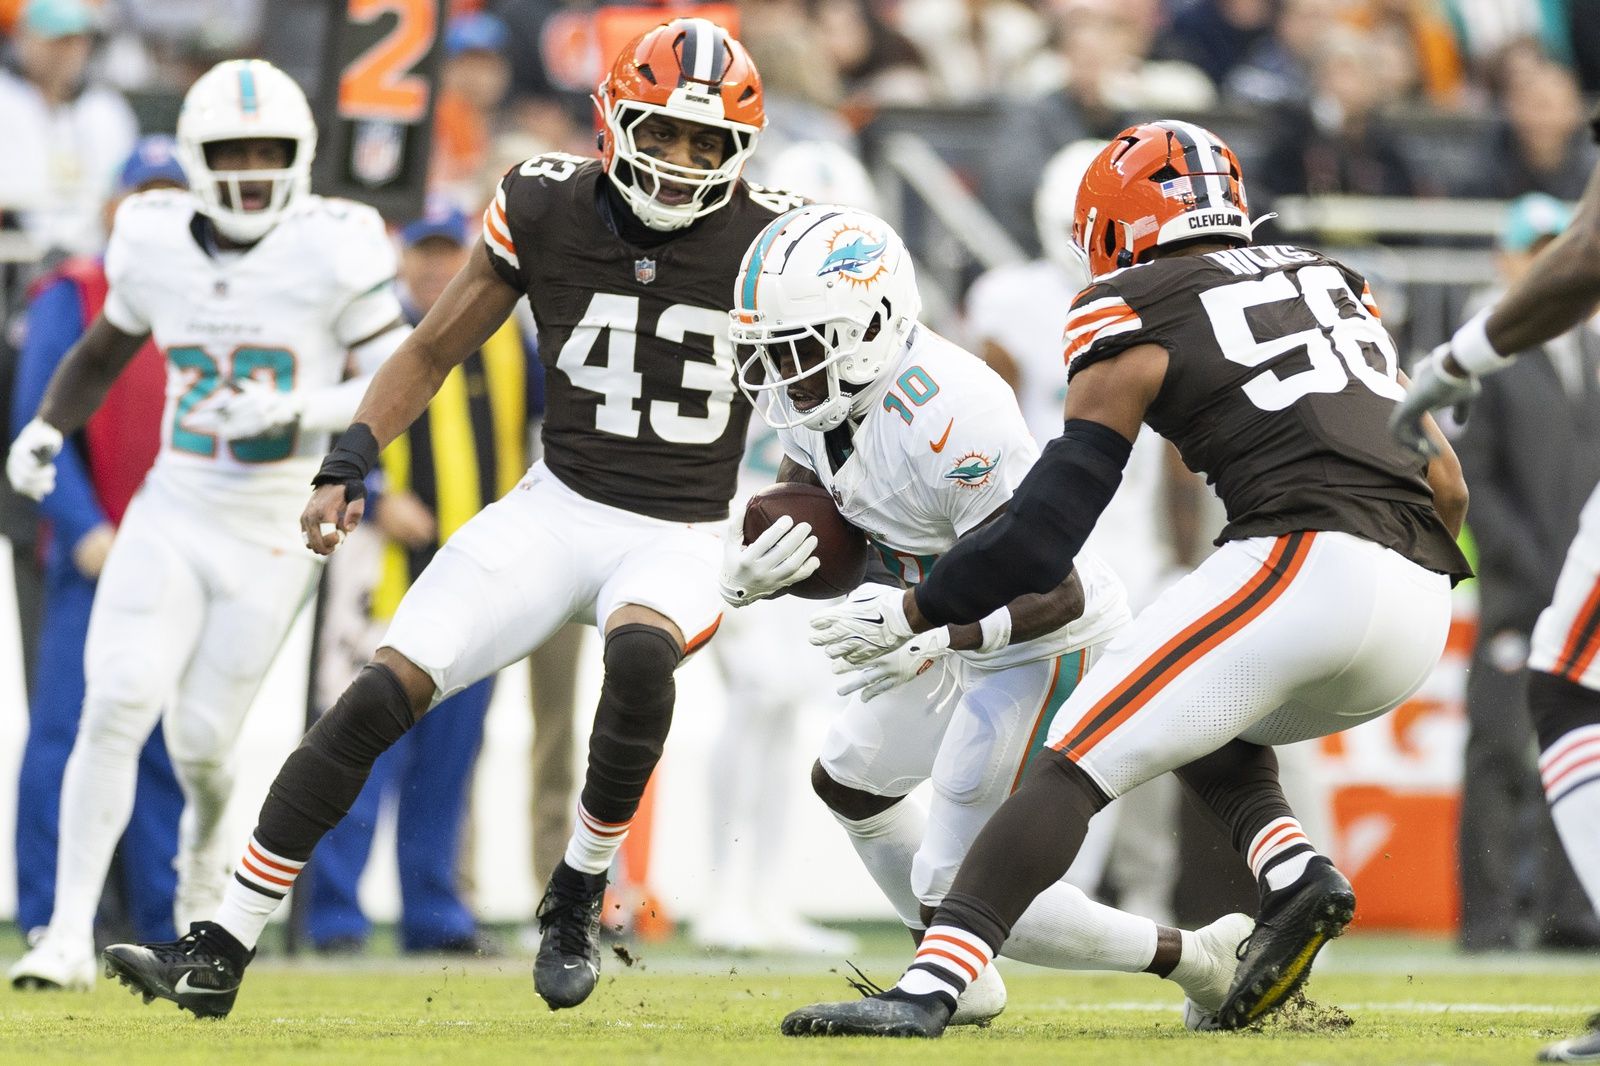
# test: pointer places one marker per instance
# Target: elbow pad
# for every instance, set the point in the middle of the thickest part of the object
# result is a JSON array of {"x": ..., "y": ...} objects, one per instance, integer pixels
[{"x": 1030, "y": 548}]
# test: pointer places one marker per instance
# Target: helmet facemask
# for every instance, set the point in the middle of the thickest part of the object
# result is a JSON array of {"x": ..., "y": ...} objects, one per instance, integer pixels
[
  {"x": 640, "y": 177},
  {"x": 222, "y": 192},
  {"x": 770, "y": 358}
]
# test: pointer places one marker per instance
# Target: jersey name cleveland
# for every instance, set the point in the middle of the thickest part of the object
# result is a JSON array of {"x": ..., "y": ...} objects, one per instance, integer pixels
[
  {"x": 642, "y": 412},
  {"x": 1279, "y": 386}
]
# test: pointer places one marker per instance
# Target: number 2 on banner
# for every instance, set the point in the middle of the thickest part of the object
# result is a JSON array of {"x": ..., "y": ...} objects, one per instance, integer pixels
[{"x": 378, "y": 83}]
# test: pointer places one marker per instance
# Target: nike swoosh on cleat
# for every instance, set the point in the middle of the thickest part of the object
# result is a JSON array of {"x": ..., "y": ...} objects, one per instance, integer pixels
[
  {"x": 938, "y": 446},
  {"x": 183, "y": 985}
]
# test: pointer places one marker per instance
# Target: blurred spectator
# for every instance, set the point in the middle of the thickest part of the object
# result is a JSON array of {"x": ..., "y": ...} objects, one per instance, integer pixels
[
  {"x": 64, "y": 139},
  {"x": 1216, "y": 35},
  {"x": 1103, "y": 74},
  {"x": 982, "y": 45},
  {"x": 876, "y": 62},
  {"x": 97, "y": 473},
  {"x": 1339, "y": 144},
  {"x": 1543, "y": 144},
  {"x": 1420, "y": 32},
  {"x": 1277, "y": 70},
  {"x": 1485, "y": 27},
  {"x": 1531, "y": 454},
  {"x": 472, "y": 87},
  {"x": 801, "y": 87},
  {"x": 458, "y": 443}
]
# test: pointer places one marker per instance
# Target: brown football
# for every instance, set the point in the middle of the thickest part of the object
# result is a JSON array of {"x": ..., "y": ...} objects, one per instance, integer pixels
[{"x": 841, "y": 546}]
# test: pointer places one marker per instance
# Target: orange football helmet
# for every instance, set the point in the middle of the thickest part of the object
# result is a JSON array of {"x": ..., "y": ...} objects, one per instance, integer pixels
[
  {"x": 690, "y": 69},
  {"x": 1155, "y": 184}
]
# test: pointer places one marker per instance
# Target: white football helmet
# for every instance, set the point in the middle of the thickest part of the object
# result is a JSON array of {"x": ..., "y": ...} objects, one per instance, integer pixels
[
  {"x": 233, "y": 100},
  {"x": 835, "y": 277},
  {"x": 1055, "y": 200}
]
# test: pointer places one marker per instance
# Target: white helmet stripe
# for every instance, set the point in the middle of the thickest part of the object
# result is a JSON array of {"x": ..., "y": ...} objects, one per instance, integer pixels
[
  {"x": 1211, "y": 162},
  {"x": 700, "y": 50}
]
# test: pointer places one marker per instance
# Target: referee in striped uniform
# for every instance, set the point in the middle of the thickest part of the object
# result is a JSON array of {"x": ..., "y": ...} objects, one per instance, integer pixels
[{"x": 467, "y": 449}]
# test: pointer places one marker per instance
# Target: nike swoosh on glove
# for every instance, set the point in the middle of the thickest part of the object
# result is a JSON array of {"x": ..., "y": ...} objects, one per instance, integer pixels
[{"x": 870, "y": 622}]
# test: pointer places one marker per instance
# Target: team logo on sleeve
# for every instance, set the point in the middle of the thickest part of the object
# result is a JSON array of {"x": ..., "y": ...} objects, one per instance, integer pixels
[
  {"x": 973, "y": 470},
  {"x": 856, "y": 255}
]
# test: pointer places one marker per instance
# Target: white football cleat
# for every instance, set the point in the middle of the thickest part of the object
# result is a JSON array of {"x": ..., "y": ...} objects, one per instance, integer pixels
[
  {"x": 983, "y": 1000},
  {"x": 1205, "y": 980},
  {"x": 55, "y": 966}
]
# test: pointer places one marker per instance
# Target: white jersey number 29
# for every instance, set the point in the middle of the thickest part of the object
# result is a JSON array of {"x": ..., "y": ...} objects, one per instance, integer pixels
[
  {"x": 1337, "y": 348},
  {"x": 620, "y": 385}
]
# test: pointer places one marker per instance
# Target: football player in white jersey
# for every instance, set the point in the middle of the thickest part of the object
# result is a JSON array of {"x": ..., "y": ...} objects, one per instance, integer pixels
[
  {"x": 920, "y": 443},
  {"x": 260, "y": 294}
]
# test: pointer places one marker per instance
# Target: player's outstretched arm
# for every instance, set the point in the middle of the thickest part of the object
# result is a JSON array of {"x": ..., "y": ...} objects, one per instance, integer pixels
[
  {"x": 1030, "y": 548},
  {"x": 86, "y": 374},
  {"x": 471, "y": 308}
]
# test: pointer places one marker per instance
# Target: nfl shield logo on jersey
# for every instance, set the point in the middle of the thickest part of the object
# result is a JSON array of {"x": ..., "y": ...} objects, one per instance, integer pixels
[
  {"x": 378, "y": 151},
  {"x": 644, "y": 271}
]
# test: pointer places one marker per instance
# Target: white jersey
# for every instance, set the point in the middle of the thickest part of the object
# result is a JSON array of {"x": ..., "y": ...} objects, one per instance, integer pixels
[
  {"x": 287, "y": 310},
  {"x": 945, "y": 449},
  {"x": 1023, "y": 308}
]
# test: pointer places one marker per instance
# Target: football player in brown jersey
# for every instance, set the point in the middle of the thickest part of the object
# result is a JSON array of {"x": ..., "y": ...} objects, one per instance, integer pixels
[
  {"x": 628, "y": 262},
  {"x": 1560, "y": 291},
  {"x": 1326, "y": 603}
]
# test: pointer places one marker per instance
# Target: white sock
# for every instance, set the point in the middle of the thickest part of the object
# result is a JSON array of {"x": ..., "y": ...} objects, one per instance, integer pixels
[
  {"x": 1279, "y": 853},
  {"x": 886, "y": 843},
  {"x": 594, "y": 843},
  {"x": 948, "y": 960},
  {"x": 96, "y": 802},
  {"x": 1570, "y": 769},
  {"x": 258, "y": 885},
  {"x": 203, "y": 852},
  {"x": 1067, "y": 930}
]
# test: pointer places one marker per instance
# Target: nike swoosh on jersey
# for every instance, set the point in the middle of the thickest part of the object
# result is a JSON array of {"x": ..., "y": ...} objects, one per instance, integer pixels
[
  {"x": 938, "y": 446},
  {"x": 183, "y": 985}
]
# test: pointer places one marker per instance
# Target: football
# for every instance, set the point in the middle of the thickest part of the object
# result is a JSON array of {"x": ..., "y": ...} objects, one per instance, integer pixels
[{"x": 841, "y": 546}]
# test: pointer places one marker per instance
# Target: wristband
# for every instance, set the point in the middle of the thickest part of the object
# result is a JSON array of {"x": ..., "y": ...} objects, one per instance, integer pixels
[
  {"x": 354, "y": 455},
  {"x": 1471, "y": 348},
  {"x": 996, "y": 629}
]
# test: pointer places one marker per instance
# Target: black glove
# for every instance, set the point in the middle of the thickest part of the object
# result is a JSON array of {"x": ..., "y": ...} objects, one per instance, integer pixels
[{"x": 354, "y": 455}]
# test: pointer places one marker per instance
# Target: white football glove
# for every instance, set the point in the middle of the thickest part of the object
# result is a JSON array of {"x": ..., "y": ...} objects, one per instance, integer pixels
[
  {"x": 31, "y": 466},
  {"x": 870, "y": 622},
  {"x": 1432, "y": 387},
  {"x": 893, "y": 669},
  {"x": 254, "y": 409},
  {"x": 781, "y": 556}
]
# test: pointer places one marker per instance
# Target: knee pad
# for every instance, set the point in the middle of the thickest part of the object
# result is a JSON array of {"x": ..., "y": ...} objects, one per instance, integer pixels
[
  {"x": 639, "y": 663},
  {"x": 1559, "y": 706},
  {"x": 846, "y": 802}
]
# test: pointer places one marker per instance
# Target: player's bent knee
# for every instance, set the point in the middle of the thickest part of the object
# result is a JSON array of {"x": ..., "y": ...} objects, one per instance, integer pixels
[
  {"x": 1559, "y": 706},
  {"x": 413, "y": 679},
  {"x": 639, "y": 663},
  {"x": 848, "y": 803}
]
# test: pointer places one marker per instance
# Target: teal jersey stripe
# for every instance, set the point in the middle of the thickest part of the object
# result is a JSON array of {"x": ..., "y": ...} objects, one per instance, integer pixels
[
  {"x": 763, "y": 245},
  {"x": 1066, "y": 683}
]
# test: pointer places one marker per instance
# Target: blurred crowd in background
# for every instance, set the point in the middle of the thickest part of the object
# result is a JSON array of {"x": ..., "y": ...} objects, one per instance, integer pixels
[{"x": 1386, "y": 98}]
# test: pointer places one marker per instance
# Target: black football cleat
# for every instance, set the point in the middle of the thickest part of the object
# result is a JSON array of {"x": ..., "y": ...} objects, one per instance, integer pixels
[
  {"x": 891, "y": 1013},
  {"x": 1292, "y": 926},
  {"x": 1585, "y": 1048},
  {"x": 200, "y": 971},
  {"x": 568, "y": 964}
]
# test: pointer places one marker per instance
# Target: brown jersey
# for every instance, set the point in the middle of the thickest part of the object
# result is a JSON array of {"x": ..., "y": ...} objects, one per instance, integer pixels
[
  {"x": 641, "y": 409},
  {"x": 1279, "y": 387}
]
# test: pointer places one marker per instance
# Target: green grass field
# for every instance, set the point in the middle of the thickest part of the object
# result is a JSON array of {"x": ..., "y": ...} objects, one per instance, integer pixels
[{"x": 1405, "y": 1002}]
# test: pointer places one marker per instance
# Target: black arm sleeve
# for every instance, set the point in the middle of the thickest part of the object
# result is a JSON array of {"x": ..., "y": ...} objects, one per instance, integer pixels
[{"x": 1031, "y": 546}]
